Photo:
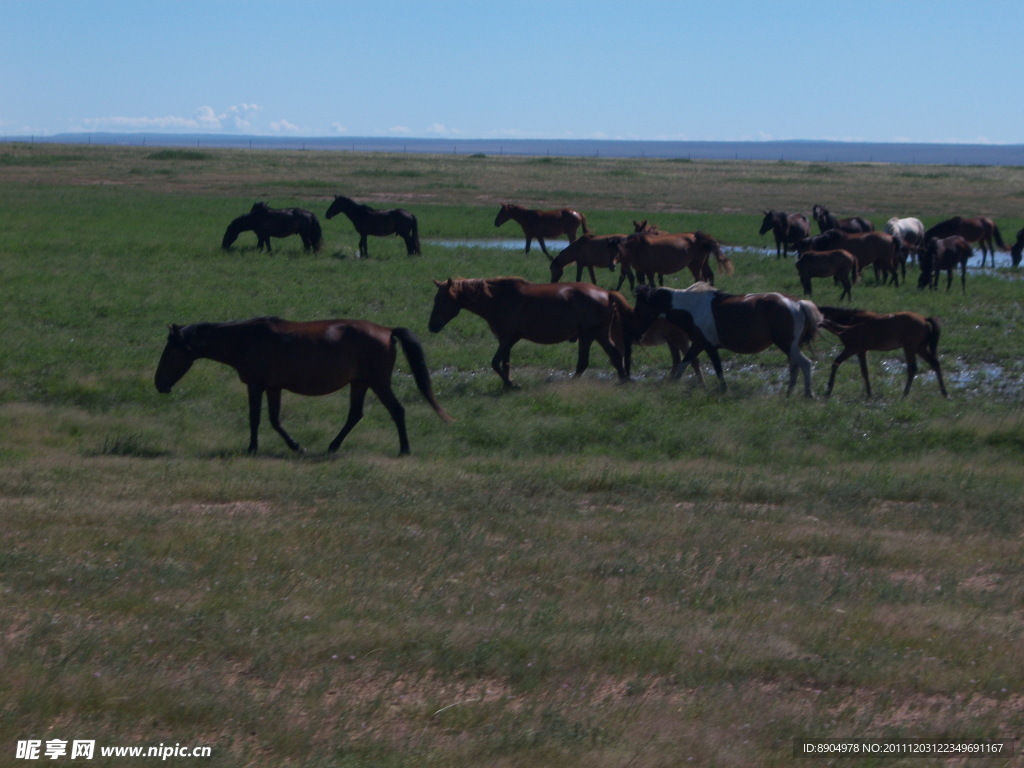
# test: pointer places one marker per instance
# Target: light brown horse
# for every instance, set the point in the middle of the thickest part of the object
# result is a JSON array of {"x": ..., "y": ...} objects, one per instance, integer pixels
[
  {"x": 587, "y": 251},
  {"x": 838, "y": 264},
  {"x": 746, "y": 324},
  {"x": 541, "y": 224},
  {"x": 314, "y": 358},
  {"x": 860, "y": 331},
  {"x": 980, "y": 230},
  {"x": 544, "y": 313},
  {"x": 661, "y": 255},
  {"x": 678, "y": 343}
]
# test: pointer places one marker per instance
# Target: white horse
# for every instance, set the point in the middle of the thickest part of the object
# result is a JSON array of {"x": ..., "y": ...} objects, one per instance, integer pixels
[{"x": 909, "y": 236}]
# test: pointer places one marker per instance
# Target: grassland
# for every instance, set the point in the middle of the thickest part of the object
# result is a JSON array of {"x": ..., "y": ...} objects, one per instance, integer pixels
[{"x": 579, "y": 573}]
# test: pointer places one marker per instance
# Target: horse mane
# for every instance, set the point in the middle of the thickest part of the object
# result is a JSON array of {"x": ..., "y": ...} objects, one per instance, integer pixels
[{"x": 701, "y": 286}]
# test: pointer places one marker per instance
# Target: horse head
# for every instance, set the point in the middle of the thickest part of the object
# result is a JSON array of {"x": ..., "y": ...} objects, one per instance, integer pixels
[
  {"x": 504, "y": 214},
  {"x": 446, "y": 305},
  {"x": 176, "y": 359},
  {"x": 340, "y": 205},
  {"x": 768, "y": 223}
]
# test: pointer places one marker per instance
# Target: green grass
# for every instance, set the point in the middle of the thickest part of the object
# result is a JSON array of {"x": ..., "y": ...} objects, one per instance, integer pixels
[{"x": 574, "y": 573}]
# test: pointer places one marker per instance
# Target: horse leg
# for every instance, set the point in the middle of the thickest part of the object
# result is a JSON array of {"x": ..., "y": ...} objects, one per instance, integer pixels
[
  {"x": 933, "y": 361},
  {"x": 806, "y": 282},
  {"x": 387, "y": 396},
  {"x": 911, "y": 369},
  {"x": 355, "y": 412},
  {"x": 364, "y": 250},
  {"x": 528, "y": 241},
  {"x": 583, "y": 358},
  {"x": 593, "y": 276},
  {"x": 501, "y": 362},
  {"x": 846, "y": 353},
  {"x": 716, "y": 361},
  {"x": 543, "y": 247},
  {"x": 274, "y": 411},
  {"x": 255, "y": 406},
  {"x": 799, "y": 362},
  {"x": 847, "y": 288},
  {"x": 620, "y": 361},
  {"x": 963, "y": 273},
  {"x": 862, "y": 357}
]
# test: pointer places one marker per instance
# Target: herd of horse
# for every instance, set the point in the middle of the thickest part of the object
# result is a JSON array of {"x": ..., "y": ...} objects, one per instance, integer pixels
[{"x": 272, "y": 355}]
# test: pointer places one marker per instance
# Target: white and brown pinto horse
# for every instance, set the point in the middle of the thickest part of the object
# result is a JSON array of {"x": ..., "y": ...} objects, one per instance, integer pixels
[
  {"x": 746, "y": 324},
  {"x": 541, "y": 224}
]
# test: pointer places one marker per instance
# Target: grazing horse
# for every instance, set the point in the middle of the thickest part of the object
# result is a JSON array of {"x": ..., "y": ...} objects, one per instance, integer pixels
[
  {"x": 540, "y": 224},
  {"x": 587, "y": 251},
  {"x": 860, "y": 331},
  {"x": 869, "y": 248},
  {"x": 368, "y": 221},
  {"x": 979, "y": 230},
  {"x": 314, "y": 358},
  {"x": 827, "y": 221},
  {"x": 1017, "y": 249},
  {"x": 661, "y": 255},
  {"x": 544, "y": 313},
  {"x": 947, "y": 254},
  {"x": 838, "y": 264},
  {"x": 746, "y": 324},
  {"x": 269, "y": 222},
  {"x": 788, "y": 228}
]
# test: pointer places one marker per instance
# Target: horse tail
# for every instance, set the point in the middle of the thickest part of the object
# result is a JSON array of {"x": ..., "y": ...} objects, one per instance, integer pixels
[
  {"x": 316, "y": 234},
  {"x": 934, "y": 331},
  {"x": 723, "y": 261},
  {"x": 418, "y": 363},
  {"x": 622, "y": 324},
  {"x": 998, "y": 236},
  {"x": 415, "y": 235},
  {"x": 583, "y": 223},
  {"x": 812, "y": 319}
]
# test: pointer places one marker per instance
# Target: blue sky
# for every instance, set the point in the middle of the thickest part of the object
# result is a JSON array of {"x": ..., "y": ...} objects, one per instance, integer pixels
[{"x": 729, "y": 70}]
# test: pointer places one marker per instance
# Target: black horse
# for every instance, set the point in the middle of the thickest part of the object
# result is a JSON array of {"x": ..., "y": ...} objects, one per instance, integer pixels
[
  {"x": 788, "y": 228},
  {"x": 1017, "y": 249},
  {"x": 827, "y": 221},
  {"x": 369, "y": 221},
  {"x": 269, "y": 222}
]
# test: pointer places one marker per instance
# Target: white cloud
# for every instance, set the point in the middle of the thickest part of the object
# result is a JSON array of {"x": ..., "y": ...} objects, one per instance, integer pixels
[
  {"x": 439, "y": 129},
  {"x": 284, "y": 126},
  {"x": 206, "y": 119},
  {"x": 339, "y": 128},
  {"x": 402, "y": 129}
]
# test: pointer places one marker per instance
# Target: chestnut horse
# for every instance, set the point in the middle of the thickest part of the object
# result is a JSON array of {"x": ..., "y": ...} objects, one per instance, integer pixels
[
  {"x": 979, "y": 230},
  {"x": 869, "y": 248},
  {"x": 746, "y": 324},
  {"x": 368, "y": 221},
  {"x": 587, "y": 251},
  {"x": 838, "y": 264},
  {"x": 661, "y": 255},
  {"x": 860, "y": 331},
  {"x": 269, "y": 222},
  {"x": 540, "y": 224},
  {"x": 827, "y": 221},
  {"x": 944, "y": 254},
  {"x": 788, "y": 228},
  {"x": 544, "y": 313},
  {"x": 314, "y": 358}
]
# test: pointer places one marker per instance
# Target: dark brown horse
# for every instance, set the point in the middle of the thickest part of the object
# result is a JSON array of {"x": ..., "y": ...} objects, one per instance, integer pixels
[
  {"x": 661, "y": 255},
  {"x": 980, "y": 230},
  {"x": 876, "y": 249},
  {"x": 860, "y": 331},
  {"x": 838, "y": 264},
  {"x": 544, "y": 313},
  {"x": 588, "y": 251},
  {"x": 269, "y": 222},
  {"x": 788, "y": 228},
  {"x": 314, "y": 358},
  {"x": 541, "y": 224},
  {"x": 827, "y": 221},
  {"x": 746, "y": 324},
  {"x": 944, "y": 255},
  {"x": 1017, "y": 249},
  {"x": 368, "y": 221}
]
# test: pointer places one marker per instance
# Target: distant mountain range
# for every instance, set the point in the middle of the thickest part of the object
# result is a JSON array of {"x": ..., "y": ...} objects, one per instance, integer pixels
[{"x": 799, "y": 151}]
